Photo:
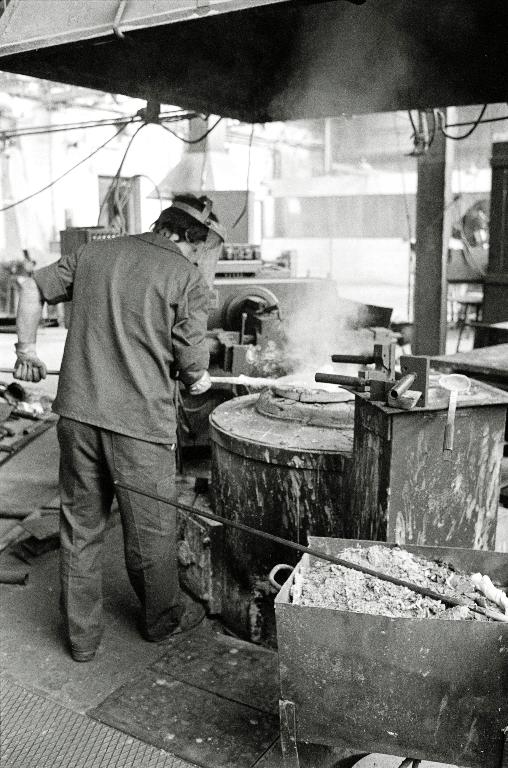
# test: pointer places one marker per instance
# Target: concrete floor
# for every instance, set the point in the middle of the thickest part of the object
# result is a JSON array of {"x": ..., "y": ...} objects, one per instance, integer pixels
[{"x": 32, "y": 649}]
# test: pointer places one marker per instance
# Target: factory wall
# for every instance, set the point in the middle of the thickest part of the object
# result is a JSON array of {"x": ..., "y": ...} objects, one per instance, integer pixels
[
  {"x": 29, "y": 163},
  {"x": 373, "y": 271}
]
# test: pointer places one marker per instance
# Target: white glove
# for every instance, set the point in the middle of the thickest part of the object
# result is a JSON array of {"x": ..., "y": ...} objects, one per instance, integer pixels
[
  {"x": 28, "y": 365},
  {"x": 202, "y": 385}
]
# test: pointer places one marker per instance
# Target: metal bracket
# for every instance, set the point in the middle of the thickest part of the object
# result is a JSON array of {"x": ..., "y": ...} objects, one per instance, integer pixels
[{"x": 420, "y": 365}]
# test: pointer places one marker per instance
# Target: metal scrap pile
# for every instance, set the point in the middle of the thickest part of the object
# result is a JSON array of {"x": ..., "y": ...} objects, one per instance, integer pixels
[{"x": 332, "y": 586}]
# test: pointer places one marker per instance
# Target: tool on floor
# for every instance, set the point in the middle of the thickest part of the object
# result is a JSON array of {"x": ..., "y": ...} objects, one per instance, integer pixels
[
  {"x": 455, "y": 383},
  {"x": 446, "y": 599}
]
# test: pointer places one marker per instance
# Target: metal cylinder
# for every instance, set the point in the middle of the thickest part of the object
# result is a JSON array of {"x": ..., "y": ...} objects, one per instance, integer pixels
[
  {"x": 281, "y": 476},
  {"x": 337, "y": 378},
  {"x": 358, "y": 359},
  {"x": 402, "y": 385}
]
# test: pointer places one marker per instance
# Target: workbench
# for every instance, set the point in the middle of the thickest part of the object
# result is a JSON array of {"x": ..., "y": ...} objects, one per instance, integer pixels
[{"x": 485, "y": 364}]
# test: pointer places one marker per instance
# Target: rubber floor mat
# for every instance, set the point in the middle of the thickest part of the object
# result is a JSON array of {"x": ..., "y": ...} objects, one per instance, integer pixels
[
  {"x": 39, "y": 733},
  {"x": 211, "y": 700}
]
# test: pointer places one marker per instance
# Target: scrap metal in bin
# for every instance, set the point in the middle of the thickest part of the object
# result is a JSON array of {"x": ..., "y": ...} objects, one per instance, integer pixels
[{"x": 426, "y": 688}]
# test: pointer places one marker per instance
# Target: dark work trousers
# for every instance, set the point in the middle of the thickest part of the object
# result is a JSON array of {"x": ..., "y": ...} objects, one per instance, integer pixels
[{"x": 90, "y": 459}]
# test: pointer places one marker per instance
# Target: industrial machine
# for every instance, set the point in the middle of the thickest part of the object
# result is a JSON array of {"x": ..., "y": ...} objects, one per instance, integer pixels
[
  {"x": 389, "y": 461},
  {"x": 251, "y": 332}
]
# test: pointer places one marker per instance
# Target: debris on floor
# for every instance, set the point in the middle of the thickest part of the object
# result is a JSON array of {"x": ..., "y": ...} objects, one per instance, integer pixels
[
  {"x": 326, "y": 585},
  {"x": 24, "y": 414}
]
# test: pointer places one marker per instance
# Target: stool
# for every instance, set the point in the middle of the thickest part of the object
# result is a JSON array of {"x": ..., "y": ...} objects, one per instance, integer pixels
[{"x": 472, "y": 300}]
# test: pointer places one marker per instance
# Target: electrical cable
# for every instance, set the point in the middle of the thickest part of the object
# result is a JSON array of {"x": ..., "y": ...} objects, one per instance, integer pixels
[
  {"x": 54, "y": 181},
  {"x": 114, "y": 182},
  {"x": 192, "y": 141},
  {"x": 473, "y": 122},
  {"x": 164, "y": 117},
  {"x": 156, "y": 186},
  {"x": 246, "y": 203},
  {"x": 432, "y": 133},
  {"x": 475, "y": 125},
  {"x": 413, "y": 124}
]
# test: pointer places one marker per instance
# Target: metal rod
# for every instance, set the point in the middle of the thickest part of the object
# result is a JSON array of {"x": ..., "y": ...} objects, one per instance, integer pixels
[
  {"x": 357, "y": 359},
  {"x": 336, "y": 378},
  {"x": 402, "y": 386},
  {"x": 245, "y": 381},
  {"x": 448, "y": 600},
  {"x": 11, "y": 370}
]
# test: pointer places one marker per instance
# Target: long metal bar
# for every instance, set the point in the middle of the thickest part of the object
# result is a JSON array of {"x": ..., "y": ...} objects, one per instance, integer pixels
[
  {"x": 337, "y": 378},
  {"x": 48, "y": 373},
  {"x": 451, "y": 601},
  {"x": 358, "y": 359}
]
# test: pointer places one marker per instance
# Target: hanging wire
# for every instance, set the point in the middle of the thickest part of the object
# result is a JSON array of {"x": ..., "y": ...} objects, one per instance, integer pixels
[
  {"x": 164, "y": 117},
  {"x": 246, "y": 203},
  {"x": 192, "y": 141},
  {"x": 413, "y": 124},
  {"x": 432, "y": 132},
  {"x": 474, "y": 126},
  {"x": 54, "y": 181},
  {"x": 156, "y": 187},
  {"x": 115, "y": 181},
  {"x": 476, "y": 122}
]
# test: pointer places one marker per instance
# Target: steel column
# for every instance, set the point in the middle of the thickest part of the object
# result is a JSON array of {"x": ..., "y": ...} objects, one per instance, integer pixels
[{"x": 433, "y": 228}]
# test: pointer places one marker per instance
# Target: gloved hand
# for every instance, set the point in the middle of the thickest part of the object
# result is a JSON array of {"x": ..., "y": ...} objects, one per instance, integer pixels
[
  {"x": 202, "y": 385},
  {"x": 28, "y": 366}
]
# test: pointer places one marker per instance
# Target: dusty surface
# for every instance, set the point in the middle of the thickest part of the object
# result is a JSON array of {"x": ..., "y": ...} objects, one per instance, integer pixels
[{"x": 332, "y": 586}]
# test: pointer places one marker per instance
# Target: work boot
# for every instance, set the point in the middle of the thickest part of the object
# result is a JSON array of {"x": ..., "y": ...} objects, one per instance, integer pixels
[
  {"x": 83, "y": 656},
  {"x": 189, "y": 616}
]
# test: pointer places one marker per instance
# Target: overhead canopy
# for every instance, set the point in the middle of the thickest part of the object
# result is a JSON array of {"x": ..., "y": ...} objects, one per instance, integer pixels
[{"x": 267, "y": 60}]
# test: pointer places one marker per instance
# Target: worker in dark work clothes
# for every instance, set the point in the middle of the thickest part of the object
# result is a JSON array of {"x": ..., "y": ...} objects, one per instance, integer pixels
[{"x": 138, "y": 319}]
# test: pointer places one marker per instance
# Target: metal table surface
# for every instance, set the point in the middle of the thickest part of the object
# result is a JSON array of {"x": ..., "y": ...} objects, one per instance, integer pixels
[{"x": 490, "y": 363}]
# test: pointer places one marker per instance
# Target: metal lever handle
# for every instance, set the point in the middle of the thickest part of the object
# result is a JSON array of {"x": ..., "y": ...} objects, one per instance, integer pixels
[
  {"x": 335, "y": 378},
  {"x": 358, "y": 359}
]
